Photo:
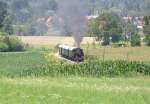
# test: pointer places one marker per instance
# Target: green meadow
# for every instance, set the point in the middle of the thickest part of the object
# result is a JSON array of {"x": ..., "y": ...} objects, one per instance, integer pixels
[
  {"x": 28, "y": 77},
  {"x": 75, "y": 90}
]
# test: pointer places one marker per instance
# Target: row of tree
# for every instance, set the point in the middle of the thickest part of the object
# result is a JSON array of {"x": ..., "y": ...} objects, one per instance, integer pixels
[{"x": 109, "y": 27}]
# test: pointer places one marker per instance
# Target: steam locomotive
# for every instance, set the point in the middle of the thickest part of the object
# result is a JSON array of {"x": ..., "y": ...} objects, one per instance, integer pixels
[{"x": 71, "y": 53}]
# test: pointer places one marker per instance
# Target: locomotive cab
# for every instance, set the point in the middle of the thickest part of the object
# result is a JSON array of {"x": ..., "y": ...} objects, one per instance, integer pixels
[{"x": 78, "y": 54}]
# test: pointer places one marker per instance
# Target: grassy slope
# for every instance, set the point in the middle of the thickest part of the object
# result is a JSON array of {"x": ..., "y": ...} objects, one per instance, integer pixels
[{"x": 75, "y": 91}]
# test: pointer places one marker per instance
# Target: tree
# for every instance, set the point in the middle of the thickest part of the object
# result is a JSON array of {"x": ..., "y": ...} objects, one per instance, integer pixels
[
  {"x": 135, "y": 39},
  {"x": 106, "y": 26},
  {"x": 147, "y": 29},
  {"x": 3, "y": 13},
  {"x": 5, "y": 20},
  {"x": 128, "y": 29},
  {"x": 35, "y": 28},
  {"x": 17, "y": 5},
  {"x": 52, "y": 5},
  {"x": 7, "y": 25}
]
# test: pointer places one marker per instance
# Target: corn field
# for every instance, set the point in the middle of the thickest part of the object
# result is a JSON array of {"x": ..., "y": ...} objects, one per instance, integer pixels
[{"x": 57, "y": 68}]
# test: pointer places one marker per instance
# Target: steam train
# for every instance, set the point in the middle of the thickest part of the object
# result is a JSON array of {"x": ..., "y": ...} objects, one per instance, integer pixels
[{"x": 71, "y": 53}]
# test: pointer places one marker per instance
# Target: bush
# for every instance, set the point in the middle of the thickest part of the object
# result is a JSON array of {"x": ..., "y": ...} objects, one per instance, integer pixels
[
  {"x": 14, "y": 43},
  {"x": 120, "y": 44},
  {"x": 135, "y": 40},
  {"x": 11, "y": 44},
  {"x": 3, "y": 47}
]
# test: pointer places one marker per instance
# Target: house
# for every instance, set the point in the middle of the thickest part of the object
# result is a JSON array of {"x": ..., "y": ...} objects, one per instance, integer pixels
[
  {"x": 137, "y": 21},
  {"x": 91, "y": 17},
  {"x": 140, "y": 22}
]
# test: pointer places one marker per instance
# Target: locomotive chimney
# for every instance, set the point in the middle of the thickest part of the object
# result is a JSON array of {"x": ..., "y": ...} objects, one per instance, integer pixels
[{"x": 78, "y": 39}]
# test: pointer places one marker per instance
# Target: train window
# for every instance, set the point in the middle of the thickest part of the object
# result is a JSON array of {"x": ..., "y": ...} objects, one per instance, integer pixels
[
  {"x": 60, "y": 50},
  {"x": 65, "y": 52}
]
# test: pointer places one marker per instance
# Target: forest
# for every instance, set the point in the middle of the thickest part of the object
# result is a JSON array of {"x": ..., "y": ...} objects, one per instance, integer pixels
[{"x": 28, "y": 17}]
